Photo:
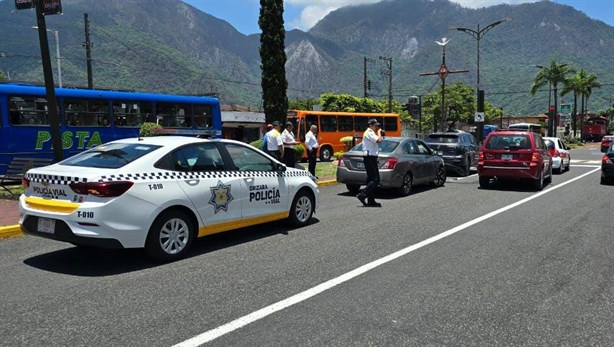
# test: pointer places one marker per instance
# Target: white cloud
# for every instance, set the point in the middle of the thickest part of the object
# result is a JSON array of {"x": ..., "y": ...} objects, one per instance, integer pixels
[{"x": 314, "y": 10}]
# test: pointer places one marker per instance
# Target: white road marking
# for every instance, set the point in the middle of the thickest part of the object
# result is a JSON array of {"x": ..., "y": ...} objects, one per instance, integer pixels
[
  {"x": 213, "y": 334},
  {"x": 593, "y": 166},
  {"x": 462, "y": 178},
  {"x": 577, "y": 161}
]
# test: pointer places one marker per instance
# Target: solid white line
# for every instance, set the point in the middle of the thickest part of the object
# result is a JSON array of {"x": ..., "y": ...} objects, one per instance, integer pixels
[
  {"x": 579, "y": 165},
  {"x": 280, "y": 305},
  {"x": 462, "y": 178}
]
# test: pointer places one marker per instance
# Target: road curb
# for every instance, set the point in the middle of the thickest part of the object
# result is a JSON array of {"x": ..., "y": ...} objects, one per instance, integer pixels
[
  {"x": 10, "y": 231},
  {"x": 327, "y": 183}
]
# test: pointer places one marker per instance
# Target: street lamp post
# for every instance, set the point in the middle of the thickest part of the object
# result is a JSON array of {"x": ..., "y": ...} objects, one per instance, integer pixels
[
  {"x": 56, "y": 35},
  {"x": 478, "y": 34}
]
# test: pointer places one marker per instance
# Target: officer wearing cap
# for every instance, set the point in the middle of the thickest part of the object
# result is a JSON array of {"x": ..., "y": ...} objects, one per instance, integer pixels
[{"x": 371, "y": 139}]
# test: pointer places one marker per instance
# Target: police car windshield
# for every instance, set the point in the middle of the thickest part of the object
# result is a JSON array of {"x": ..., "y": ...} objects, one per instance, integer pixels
[{"x": 110, "y": 156}]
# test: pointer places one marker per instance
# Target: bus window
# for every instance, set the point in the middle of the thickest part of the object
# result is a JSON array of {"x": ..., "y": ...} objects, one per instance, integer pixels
[
  {"x": 28, "y": 110},
  {"x": 391, "y": 124},
  {"x": 203, "y": 116},
  {"x": 328, "y": 123},
  {"x": 174, "y": 115},
  {"x": 312, "y": 120},
  {"x": 346, "y": 123},
  {"x": 85, "y": 112},
  {"x": 132, "y": 113},
  {"x": 361, "y": 123}
]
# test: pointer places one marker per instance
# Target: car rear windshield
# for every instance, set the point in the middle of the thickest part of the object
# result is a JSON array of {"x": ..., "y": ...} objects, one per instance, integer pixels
[
  {"x": 508, "y": 142},
  {"x": 442, "y": 138},
  {"x": 386, "y": 146},
  {"x": 111, "y": 156}
]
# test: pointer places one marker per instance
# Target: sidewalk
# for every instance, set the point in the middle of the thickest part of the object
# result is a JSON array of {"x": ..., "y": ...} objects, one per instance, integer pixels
[{"x": 9, "y": 218}]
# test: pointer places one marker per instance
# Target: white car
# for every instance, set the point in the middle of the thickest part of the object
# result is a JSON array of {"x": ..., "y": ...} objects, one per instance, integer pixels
[
  {"x": 161, "y": 193},
  {"x": 561, "y": 157}
]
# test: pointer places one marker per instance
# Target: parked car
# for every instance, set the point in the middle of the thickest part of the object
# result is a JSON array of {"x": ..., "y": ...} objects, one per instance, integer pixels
[
  {"x": 161, "y": 193},
  {"x": 561, "y": 157},
  {"x": 606, "y": 141},
  {"x": 514, "y": 155},
  {"x": 607, "y": 165},
  {"x": 459, "y": 150},
  {"x": 403, "y": 162}
]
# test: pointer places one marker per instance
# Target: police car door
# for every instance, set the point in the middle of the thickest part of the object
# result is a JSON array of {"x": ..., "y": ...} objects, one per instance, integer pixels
[
  {"x": 265, "y": 190},
  {"x": 215, "y": 194}
]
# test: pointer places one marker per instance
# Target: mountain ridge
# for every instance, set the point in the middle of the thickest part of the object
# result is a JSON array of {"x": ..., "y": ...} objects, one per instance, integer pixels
[{"x": 169, "y": 46}]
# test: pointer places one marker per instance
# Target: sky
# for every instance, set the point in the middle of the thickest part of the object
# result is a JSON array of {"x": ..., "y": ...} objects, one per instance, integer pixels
[{"x": 304, "y": 14}]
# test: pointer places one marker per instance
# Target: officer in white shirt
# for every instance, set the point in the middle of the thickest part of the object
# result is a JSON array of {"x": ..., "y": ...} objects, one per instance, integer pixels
[
  {"x": 287, "y": 138},
  {"x": 273, "y": 141},
  {"x": 371, "y": 139},
  {"x": 311, "y": 142}
]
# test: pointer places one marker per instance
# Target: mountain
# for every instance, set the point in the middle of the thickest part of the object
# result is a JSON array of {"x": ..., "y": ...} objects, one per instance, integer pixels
[{"x": 169, "y": 46}]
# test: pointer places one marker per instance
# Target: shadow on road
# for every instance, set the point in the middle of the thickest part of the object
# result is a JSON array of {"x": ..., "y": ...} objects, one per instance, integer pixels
[{"x": 95, "y": 262}]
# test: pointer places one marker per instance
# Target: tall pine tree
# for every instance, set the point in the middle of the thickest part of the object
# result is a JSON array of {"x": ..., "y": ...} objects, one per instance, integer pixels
[{"x": 273, "y": 60}]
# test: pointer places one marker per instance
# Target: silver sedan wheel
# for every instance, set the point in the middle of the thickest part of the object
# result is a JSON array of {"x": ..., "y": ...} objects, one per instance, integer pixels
[{"x": 174, "y": 236}]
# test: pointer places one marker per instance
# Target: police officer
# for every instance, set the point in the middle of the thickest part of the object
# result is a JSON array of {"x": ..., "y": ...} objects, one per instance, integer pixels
[
  {"x": 371, "y": 139},
  {"x": 287, "y": 137}
]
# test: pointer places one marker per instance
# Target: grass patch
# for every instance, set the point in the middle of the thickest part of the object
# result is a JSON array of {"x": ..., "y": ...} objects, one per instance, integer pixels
[
  {"x": 326, "y": 170},
  {"x": 16, "y": 190}
]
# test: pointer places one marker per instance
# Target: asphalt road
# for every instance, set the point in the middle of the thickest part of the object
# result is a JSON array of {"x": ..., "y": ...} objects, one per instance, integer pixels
[{"x": 474, "y": 270}]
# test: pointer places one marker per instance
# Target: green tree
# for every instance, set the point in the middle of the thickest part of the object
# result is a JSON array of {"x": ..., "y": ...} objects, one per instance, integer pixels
[
  {"x": 273, "y": 60},
  {"x": 304, "y": 104},
  {"x": 551, "y": 75},
  {"x": 573, "y": 84},
  {"x": 1, "y": 76},
  {"x": 350, "y": 103}
]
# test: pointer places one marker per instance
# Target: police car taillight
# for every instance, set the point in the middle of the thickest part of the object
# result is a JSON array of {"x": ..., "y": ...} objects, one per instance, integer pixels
[{"x": 101, "y": 189}]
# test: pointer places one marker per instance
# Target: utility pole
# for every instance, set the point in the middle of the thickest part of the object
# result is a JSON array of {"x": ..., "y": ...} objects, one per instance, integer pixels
[
  {"x": 367, "y": 83},
  {"x": 88, "y": 52},
  {"x": 52, "y": 109},
  {"x": 388, "y": 72},
  {"x": 442, "y": 73}
]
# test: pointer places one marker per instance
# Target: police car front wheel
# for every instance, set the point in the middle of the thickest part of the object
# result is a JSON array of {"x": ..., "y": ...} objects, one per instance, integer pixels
[
  {"x": 170, "y": 236},
  {"x": 302, "y": 208}
]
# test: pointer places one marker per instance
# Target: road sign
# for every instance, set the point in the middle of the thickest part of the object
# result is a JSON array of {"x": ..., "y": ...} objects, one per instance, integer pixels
[
  {"x": 24, "y": 4},
  {"x": 479, "y": 116},
  {"x": 565, "y": 108}
]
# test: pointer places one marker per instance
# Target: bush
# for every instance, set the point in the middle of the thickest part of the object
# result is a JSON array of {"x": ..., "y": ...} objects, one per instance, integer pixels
[
  {"x": 568, "y": 139},
  {"x": 338, "y": 155},
  {"x": 147, "y": 129},
  {"x": 258, "y": 144},
  {"x": 299, "y": 150},
  {"x": 347, "y": 140}
]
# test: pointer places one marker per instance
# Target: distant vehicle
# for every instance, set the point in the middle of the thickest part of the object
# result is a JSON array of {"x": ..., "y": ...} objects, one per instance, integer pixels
[
  {"x": 606, "y": 141},
  {"x": 403, "y": 162},
  {"x": 489, "y": 128},
  {"x": 459, "y": 150},
  {"x": 607, "y": 165},
  {"x": 514, "y": 155},
  {"x": 561, "y": 157},
  {"x": 595, "y": 128},
  {"x": 161, "y": 193},
  {"x": 332, "y": 126},
  {"x": 91, "y": 117},
  {"x": 532, "y": 127}
]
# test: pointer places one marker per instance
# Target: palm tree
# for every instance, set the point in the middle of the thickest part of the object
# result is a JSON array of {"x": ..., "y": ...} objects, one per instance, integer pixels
[
  {"x": 551, "y": 75},
  {"x": 573, "y": 84},
  {"x": 581, "y": 83}
]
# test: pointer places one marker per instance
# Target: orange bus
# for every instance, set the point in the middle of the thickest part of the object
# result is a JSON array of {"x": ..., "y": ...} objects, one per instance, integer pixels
[{"x": 332, "y": 126}]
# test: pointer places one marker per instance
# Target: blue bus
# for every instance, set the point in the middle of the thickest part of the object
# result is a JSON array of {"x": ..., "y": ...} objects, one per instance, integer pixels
[{"x": 92, "y": 117}]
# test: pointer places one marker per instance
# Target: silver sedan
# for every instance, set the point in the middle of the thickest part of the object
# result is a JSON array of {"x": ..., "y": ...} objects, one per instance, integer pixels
[{"x": 403, "y": 163}]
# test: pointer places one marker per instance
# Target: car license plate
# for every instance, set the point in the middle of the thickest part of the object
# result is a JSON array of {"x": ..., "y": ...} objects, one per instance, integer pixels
[
  {"x": 360, "y": 165},
  {"x": 46, "y": 225},
  {"x": 506, "y": 157}
]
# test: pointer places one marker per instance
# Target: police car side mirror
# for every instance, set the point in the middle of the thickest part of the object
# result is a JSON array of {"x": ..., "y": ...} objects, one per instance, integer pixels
[{"x": 280, "y": 167}]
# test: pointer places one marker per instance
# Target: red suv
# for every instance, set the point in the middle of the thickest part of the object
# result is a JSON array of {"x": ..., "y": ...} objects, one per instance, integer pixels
[{"x": 514, "y": 155}]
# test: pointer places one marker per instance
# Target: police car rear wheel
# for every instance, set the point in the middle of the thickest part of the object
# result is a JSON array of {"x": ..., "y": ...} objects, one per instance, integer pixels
[
  {"x": 302, "y": 209},
  {"x": 170, "y": 236}
]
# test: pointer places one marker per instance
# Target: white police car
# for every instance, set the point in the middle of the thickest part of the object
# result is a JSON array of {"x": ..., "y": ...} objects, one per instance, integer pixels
[{"x": 161, "y": 193}]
